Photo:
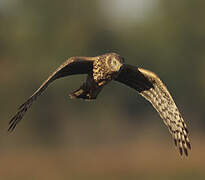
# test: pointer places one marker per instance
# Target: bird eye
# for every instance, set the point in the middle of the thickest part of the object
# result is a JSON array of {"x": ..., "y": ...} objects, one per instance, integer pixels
[{"x": 114, "y": 62}]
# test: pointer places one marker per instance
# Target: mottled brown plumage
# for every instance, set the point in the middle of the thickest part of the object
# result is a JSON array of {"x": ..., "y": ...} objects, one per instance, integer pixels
[
  {"x": 101, "y": 70},
  {"x": 162, "y": 101}
]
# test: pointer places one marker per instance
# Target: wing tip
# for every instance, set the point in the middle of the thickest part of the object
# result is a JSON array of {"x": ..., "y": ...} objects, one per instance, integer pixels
[
  {"x": 19, "y": 115},
  {"x": 13, "y": 122}
]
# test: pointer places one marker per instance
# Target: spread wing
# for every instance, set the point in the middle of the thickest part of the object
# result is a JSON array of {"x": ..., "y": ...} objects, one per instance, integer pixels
[
  {"x": 74, "y": 65},
  {"x": 152, "y": 88}
]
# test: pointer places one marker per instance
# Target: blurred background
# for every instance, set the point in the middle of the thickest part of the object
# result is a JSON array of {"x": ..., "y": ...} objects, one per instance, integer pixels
[{"x": 120, "y": 135}]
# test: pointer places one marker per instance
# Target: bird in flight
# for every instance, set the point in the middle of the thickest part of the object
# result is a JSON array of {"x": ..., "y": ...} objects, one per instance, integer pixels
[{"x": 100, "y": 71}]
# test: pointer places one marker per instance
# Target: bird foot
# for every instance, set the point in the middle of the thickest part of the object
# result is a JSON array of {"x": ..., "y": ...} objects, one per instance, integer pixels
[{"x": 80, "y": 93}]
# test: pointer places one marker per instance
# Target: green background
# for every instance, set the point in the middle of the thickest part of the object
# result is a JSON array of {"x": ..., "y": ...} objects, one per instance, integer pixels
[{"x": 118, "y": 136}]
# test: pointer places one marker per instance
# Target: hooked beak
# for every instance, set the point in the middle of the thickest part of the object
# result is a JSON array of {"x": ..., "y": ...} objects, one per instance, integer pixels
[{"x": 119, "y": 66}]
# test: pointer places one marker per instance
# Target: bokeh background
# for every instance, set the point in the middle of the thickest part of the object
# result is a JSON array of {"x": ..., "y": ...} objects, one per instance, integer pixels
[{"x": 119, "y": 136}]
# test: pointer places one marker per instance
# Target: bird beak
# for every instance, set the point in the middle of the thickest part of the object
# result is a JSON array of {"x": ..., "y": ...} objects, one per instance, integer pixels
[{"x": 119, "y": 66}]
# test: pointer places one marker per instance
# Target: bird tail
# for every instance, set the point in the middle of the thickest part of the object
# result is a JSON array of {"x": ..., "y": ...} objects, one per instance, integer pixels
[
  {"x": 86, "y": 93},
  {"x": 89, "y": 90}
]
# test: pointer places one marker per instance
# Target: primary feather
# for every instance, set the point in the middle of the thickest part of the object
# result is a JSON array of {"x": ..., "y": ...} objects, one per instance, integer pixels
[
  {"x": 163, "y": 102},
  {"x": 153, "y": 89}
]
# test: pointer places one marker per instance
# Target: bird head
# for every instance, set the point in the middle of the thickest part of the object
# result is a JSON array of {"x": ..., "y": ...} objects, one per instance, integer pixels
[{"x": 115, "y": 62}]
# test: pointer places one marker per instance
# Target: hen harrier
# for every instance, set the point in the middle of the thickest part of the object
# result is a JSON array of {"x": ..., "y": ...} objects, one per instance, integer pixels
[{"x": 101, "y": 70}]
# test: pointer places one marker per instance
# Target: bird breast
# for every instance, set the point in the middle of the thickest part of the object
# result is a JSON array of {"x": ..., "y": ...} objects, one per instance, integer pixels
[{"x": 101, "y": 72}]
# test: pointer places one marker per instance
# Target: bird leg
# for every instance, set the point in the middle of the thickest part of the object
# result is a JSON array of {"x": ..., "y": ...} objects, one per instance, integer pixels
[{"x": 89, "y": 90}]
